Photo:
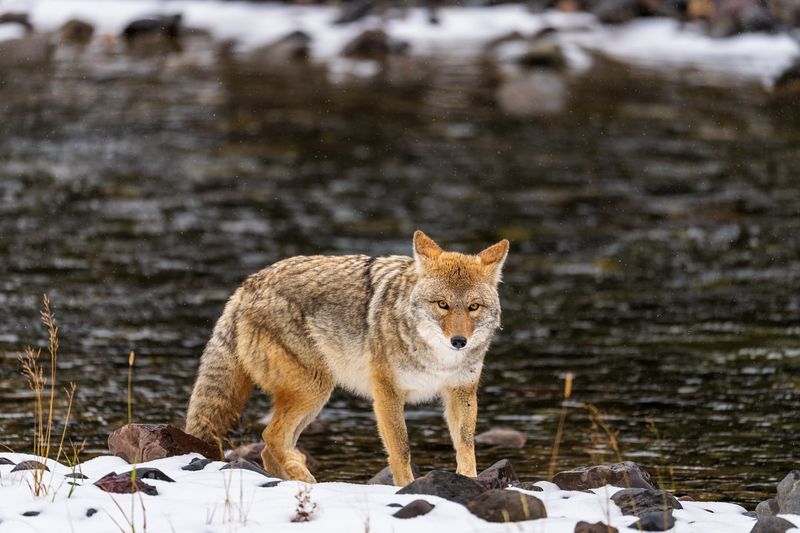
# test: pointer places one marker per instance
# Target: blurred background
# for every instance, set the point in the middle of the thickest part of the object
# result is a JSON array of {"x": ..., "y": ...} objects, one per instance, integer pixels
[{"x": 641, "y": 155}]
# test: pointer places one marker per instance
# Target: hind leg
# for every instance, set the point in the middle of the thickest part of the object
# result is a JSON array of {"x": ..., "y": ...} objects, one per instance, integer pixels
[{"x": 298, "y": 395}]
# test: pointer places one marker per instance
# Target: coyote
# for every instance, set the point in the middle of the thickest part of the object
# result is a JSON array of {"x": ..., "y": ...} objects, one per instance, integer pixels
[{"x": 393, "y": 329}]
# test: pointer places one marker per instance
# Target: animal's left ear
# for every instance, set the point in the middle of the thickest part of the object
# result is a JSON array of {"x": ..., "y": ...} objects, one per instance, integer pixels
[{"x": 494, "y": 256}]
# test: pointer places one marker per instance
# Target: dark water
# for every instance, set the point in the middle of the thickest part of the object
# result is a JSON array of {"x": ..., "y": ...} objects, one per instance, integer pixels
[{"x": 654, "y": 227}]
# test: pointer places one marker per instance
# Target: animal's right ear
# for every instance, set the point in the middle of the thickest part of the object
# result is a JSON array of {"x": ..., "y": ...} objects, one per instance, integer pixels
[{"x": 425, "y": 249}]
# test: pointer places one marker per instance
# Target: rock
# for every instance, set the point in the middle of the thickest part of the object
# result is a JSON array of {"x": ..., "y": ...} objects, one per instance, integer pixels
[
  {"x": 506, "y": 506},
  {"x": 252, "y": 453},
  {"x": 90, "y": 511},
  {"x": 165, "y": 25},
  {"x": 767, "y": 508},
  {"x": 616, "y": 11},
  {"x": 30, "y": 51},
  {"x": 353, "y": 11},
  {"x": 735, "y": 16},
  {"x": 626, "y": 474},
  {"x": 789, "y": 493},
  {"x": 501, "y": 438},
  {"x": 76, "y": 475},
  {"x": 139, "y": 443},
  {"x": 22, "y": 19},
  {"x": 31, "y": 513},
  {"x": 270, "y": 484},
  {"x": 771, "y": 524},
  {"x": 655, "y": 521},
  {"x": 639, "y": 502},
  {"x": 489, "y": 483},
  {"x": 787, "y": 84},
  {"x": 76, "y": 32},
  {"x": 413, "y": 509},
  {"x": 786, "y": 12},
  {"x": 295, "y": 47},
  {"x": 30, "y": 465},
  {"x": 503, "y": 472},
  {"x": 384, "y": 477},
  {"x": 123, "y": 484},
  {"x": 398, "y": 505},
  {"x": 447, "y": 485},
  {"x": 374, "y": 45},
  {"x": 198, "y": 463},
  {"x": 244, "y": 464},
  {"x": 4, "y": 461},
  {"x": 151, "y": 473},
  {"x": 685, "y": 499},
  {"x": 597, "y": 527},
  {"x": 529, "y": 485}
]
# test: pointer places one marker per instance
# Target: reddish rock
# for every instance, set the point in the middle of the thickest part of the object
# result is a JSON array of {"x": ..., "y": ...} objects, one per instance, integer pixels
[
  {"x": 138, "y": 443},
  {"x": 627, "y": 474},
  {"x": 123, "y": 484},
  {"x": 503, "y": 472}
]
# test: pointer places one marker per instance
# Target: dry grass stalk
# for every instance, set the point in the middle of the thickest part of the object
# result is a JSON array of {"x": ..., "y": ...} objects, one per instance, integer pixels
[
  {"x": 561, "y": 420},
  {"x": 34, "y": 372}
]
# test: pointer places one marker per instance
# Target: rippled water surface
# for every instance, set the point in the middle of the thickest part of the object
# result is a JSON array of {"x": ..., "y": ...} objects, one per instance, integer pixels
[{"x": 654, "y": 227}]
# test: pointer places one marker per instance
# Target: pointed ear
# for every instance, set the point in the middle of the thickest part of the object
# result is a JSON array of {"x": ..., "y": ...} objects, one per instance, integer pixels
[
  {"x": 424, "y": 249},
  {"x": 494, "y": 256}
]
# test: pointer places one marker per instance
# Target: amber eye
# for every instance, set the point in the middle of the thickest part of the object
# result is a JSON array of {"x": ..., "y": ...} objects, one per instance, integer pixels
[
  {"x": 442, "y": 304},
  {"x": 473, "y": 306}
]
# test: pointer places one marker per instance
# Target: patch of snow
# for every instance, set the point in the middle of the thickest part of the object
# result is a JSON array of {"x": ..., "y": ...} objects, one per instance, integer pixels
[{"x": 217, "y": 500}]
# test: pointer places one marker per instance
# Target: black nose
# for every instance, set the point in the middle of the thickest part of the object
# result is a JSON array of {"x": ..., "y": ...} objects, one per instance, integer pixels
[{"x": 458, "y": 341}]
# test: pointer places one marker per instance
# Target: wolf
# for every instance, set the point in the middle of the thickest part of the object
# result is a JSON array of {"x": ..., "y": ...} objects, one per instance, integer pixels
[{"x": 397, "y": 330}]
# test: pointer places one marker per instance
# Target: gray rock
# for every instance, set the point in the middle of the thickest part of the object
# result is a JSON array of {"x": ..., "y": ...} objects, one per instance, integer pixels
[
  {"x": 767, "y": 508},
  {"x": 198, "y": 463},
  {"x": 414, "y": 509},
  {"x": 627, "y": 474},
  {"x": 597, "y": 527},
  {"x": 639, "y": 502},
  {"x": 789, "y": 493},
  {"x": 244, "y": 464},
  {"x": 4, "y": 461},
  {"x": 30, "y": 465},
  {"x": 447, "y": 485},
  {"x": 501, "y": 438},
  {"x": 506, "y": 506},
  {"x": 655, "y": 521},
  {"x": 503, "y": 472},
  {"x": 151, "y": 473},
  {"x": 529, "y": 485},
  {"x": 384, "y": 477},
  {"x": 771, "y": 524},
  {"x": 34, "y": 50},
  {"x": 374, "y": 45}
]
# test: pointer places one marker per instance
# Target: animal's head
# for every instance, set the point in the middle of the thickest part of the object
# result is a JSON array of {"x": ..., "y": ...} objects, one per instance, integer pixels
[{"x": 455, "y": 301}]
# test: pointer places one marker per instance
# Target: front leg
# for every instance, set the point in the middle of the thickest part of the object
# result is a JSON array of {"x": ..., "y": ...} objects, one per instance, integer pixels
[
  {"x": 388, "y": 404},
  {"x": 461, "y": 411}
]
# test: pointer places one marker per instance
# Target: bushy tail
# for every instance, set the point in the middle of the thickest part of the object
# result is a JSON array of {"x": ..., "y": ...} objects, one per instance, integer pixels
[{"x": 222, "y": 387}]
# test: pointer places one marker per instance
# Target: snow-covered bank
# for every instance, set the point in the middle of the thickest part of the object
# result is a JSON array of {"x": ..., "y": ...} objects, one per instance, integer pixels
[
  {"x": 655, "y": 42},
  {"x": 236, "y": 500}
]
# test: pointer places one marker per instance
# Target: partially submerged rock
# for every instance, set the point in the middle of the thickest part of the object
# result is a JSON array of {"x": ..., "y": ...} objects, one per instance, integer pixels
[
  {"x": 506, "y": 506},
  {"x": 124, "y": 484},
  {"x": 503, "y": 472},
  {"x": 384, "y": 477},
  {"x": 76, "y": 32},
  {"x": 374, "y": 45},
  {"x": 626, "y": 474},
  {"x": 138, "y": 443},
  {"x": 447, "y": 485},
  {"x": 501, "y": 438}
]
